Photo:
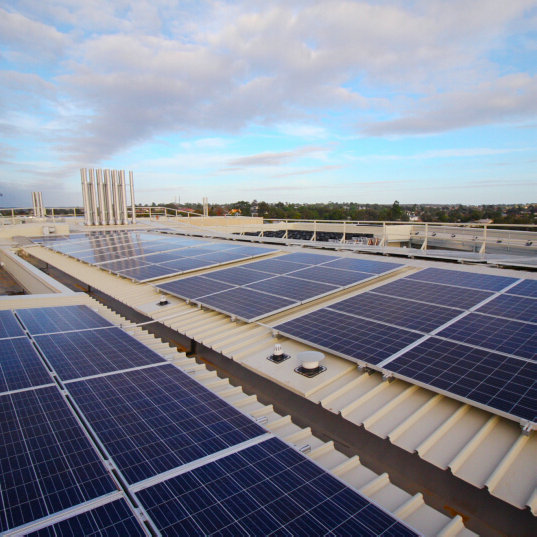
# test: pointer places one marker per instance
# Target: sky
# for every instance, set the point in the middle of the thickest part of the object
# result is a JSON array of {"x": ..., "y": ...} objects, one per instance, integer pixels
[{"x": 298, "y": 101}]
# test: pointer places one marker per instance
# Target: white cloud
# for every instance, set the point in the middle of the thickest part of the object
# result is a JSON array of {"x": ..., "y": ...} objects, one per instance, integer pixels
[{"x": 509, "y": 99}]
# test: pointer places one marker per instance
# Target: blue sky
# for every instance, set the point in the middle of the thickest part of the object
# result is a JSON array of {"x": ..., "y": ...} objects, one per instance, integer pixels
[{"x": 297, "y": 101}]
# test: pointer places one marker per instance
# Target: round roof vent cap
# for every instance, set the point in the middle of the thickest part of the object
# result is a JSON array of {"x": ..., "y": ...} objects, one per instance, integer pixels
[{"x": 310, "y": 359}]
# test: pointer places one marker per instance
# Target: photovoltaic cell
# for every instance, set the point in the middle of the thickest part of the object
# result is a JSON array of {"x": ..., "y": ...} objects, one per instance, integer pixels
[
  {"x": 143, "y": 274},
  {"x": 265, "y": 489},
  {"x": 442, "y": 295},
  {"x": 397, "y": 311},
  {"x": 332, "y": 276},
  {"x": 485, "y": 377},
  {"x": 473, "y": 280},
  {"x": 47, "y": 462},
  {"x": 60, "y": 319},
  {"x": 306, "y": 259},
  {"x": 185, "y": 264},
  {"x": 110, "y": 520},
  {"x": 152, "y": 420},
  {"x": 512, "y": 307},
  {"x": 20, "y": 365},
  {"x": 292, "y": 288},
  {"x": 90, "y": 352},
  {"x": 143, "y": 257},
  {"x": 238, "y": 275},
  {"x": 526, "y": 288},
  {"x": 193, "y": 252},
  {"x": 512, "y": 337},
  {"x": 275, "y": 266},
  {"x": 221, "y": 257},
  {"x": 162, "y": 257},
  {"x": 364, "y": 340},
  {"x": 246, "y": 303},
  {"x": 9, "y": 326},
  {"x": 124, "y": 264},
  {"x": 194, "y": 287},
  {"x": 363, "y": 265}
]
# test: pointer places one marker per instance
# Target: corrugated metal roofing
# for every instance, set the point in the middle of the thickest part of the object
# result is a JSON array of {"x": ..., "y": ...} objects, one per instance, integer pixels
[{"x": 483, "y": 449}]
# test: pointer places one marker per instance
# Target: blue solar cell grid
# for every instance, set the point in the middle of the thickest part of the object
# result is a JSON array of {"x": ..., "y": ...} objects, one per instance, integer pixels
[
  {"x": 349, "y": 336},
  {"x": 20, "y": 365},
  {"x": 442, "y": 295},
  {"x": 485, "y": 377},
  {"x": 334, "y": 276},
  {"x": 143, "y": 274},
  {"x": 238, "y": 275},
  {"x": 363, "y": 265},
  {"x": 512, "y": 337},
  {"x": 246, "y": 304},
  {"x": 110, "y": 520},
  {"x": 143, "y": 257},
  {"x": 194, "y": 287},
  {"x": 397, "y": 311},
  {"x": 47, "y": 462},
  {"x": 60, "y": 319},
  {"x": 90, "y": 352},
  {"x": 152, "y": 420},
  {"x": 512, "y": 307},
  {"x": 265, "y": 489},
  {"x": 473, "y": 280},
  {"x": 526, "y": 288},
  {"x": 292, "y": 288},
  {"x": 9, "y": 326}
]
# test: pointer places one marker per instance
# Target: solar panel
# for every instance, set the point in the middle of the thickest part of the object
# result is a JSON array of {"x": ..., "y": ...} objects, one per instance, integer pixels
[
  {"x": 193, "y": 287},
  {"x": 512, "y": 307},
  {"x": 292, "y": 288},
  {"x": 186, "y": 264},
  {"x": 151, "y": 420},
  {"x": 499, "y": 382},
  {"x": 194, "y": 251},
  {"x": 221, "y": 257},
  {"x": 397, "y": 311},
  {"x": 90, "y": 352},
  {"x": 307, "y": 259},
  {"x": 20, "y": 365},
  {"x": 265, "y": 489},
  {"x": 238, "y": 275},
  {"x": 459, "y": 278},
  {"x": 113, "y": 519},
  {"x": 347, "y": 335},
  {"x": 332, "y": 276},
  {"x": 363, "y": 265},
  {"x": 443, "y": 295},
  {"x": 124, "y": 264},
  {"x": 525, "y": 288},
  {"x": 60, "y": 319},
  {"x": 162, "y": 257},
  {"x": 275, "y": 266},
  {"x": 9, "y": 326},
  {"x": 246, "y": 304},
  {"x": 143, "y": 257},
  {"x": 47, "y": 462},
  {"x": 150, "y": 272},
  {"x": 512, "y": 337}
]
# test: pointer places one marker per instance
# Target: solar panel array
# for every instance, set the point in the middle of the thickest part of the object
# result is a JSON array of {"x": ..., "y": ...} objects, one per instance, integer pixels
[
  {"x": 469, "y": 335},
  {"x": 269, "y": 286},
  {"x": 144, "y": 256},
  {"x": 101, "y": 436}
]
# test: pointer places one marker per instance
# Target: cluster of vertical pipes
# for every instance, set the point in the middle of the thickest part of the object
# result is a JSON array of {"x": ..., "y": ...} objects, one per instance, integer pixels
[
  {"x": 37, "y": 202},
  {"x": 105, "y": 197}
]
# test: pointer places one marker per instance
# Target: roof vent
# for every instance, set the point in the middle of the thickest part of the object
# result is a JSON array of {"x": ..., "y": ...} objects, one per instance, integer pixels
[
  {"x": 162, "y": 301},
  {"x": 309, "y": 363},
  {"x": 278, "y": 356}
]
